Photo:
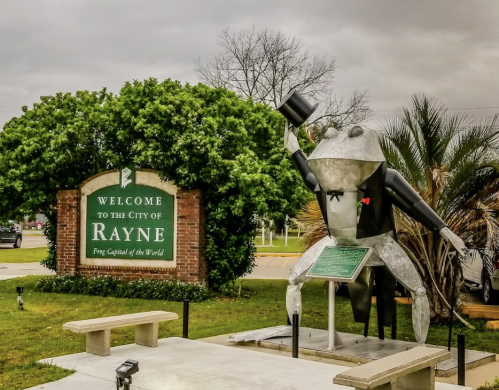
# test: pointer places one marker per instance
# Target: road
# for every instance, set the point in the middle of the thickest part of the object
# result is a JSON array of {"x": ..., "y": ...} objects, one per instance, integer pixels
[
  {"x": 33, "y": 239},
  {"x": 266, "y": 267},
  {"x": 272, "y": 267}
]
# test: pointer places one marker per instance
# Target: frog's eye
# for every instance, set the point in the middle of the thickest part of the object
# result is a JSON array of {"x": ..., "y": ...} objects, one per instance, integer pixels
[
  {"x": 331, "y": 133},
  {"x": 355, "y": 131}
]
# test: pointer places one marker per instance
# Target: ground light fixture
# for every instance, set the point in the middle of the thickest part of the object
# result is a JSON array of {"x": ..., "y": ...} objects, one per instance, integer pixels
[
  {"x": 124, "y": 374},
  {"x": 20, "y": 290}
]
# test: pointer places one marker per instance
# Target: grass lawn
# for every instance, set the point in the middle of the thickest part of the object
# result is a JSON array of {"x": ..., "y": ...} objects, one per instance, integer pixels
[
  {"x": 294, "y": 245},
  {"x": 36, "y": 332},
  {"x": 27, "y": 255}
]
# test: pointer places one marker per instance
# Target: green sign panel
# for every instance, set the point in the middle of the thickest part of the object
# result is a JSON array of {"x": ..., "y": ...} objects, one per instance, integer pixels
[
  {"x": 340, "y": 263},
  {"x": 130, "y": 221}
]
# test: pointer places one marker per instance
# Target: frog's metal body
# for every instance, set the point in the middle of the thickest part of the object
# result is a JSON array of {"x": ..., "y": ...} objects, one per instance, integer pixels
[
  {"x": 356, "y": 191},
  {"x": 349, "y": 167}
]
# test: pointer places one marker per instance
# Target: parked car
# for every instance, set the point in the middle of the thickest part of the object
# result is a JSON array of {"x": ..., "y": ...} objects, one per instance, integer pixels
[
  {"x": 11, "y": 232},
  {"x": 479, "y": 277}
]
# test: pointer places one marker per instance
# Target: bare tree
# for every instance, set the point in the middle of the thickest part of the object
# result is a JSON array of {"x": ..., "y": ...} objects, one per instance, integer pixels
[{"x": 266, "y": 65}]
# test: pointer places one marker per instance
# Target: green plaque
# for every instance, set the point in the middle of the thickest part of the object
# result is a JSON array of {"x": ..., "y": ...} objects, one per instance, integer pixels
[
  {"x": 130, "y": 221},
  {"x": 340, "y": 263}
]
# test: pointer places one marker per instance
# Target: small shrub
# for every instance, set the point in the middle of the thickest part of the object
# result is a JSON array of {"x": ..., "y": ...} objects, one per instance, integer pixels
[
  {"x": 490, "y": 386},
  {"x": 110, "y": 286}
]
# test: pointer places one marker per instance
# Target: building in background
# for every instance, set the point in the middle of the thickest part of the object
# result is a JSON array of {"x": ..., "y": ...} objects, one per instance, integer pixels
[{"x": 37, "y": 223}]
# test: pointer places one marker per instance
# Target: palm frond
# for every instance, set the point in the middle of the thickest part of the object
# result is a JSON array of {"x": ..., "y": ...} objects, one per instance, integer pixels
[
  {"x": 466, "y": 183},
  {"x": 453, "y": 163},
  {"x": 478, "y": 143},
  {"x": 310, "y": 217},
  {"x": 401, "y": 151}
]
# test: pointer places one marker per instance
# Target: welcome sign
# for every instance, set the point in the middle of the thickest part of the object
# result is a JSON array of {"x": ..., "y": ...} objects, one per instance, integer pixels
[{"x": 129, "y": 220}]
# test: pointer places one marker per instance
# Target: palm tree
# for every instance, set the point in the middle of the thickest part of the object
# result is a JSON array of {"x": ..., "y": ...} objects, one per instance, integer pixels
[{"x": 452, "y": 162}]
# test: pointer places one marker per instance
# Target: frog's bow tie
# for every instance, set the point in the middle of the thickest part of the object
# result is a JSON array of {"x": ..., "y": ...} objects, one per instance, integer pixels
[{"x": 335, "y": 194}]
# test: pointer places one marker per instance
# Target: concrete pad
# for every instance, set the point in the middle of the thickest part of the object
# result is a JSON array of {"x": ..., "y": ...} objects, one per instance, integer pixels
[
  {"x": 493, "y": 325},
  {"x": 484, "y": 312},
  {"x": 187, "y": 364},
  {"x": 477, "y": 376},
  {"x": 360, "y": 349},
  {"x": 466, "y": 308},
  {"x": 224, "y": 340}
]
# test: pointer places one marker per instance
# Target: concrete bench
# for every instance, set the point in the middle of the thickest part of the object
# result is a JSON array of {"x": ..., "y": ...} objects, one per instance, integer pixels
[
  {"x": 98, "y": 330},
  {"x": 412, "y": 369}
]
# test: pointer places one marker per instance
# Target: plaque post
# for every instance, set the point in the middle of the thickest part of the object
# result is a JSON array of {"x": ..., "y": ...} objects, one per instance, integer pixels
[
  {"x": 338, "y": 264},
  {"x": 332, "y": 294}
]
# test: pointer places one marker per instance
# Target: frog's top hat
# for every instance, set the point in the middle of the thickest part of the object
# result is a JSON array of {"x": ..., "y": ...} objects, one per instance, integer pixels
[{"x": 295, "y": 108}]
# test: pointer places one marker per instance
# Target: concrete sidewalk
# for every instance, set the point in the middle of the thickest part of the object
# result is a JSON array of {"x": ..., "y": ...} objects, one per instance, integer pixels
[
  {"x": 179, "y": 364},
  {"x": 17, "y": 270}
]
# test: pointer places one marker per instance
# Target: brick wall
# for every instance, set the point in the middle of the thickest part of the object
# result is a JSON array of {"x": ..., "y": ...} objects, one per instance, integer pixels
[
  {"x": 68, "y": 238},
  {"x": 190, "y": 236},
  {"x": 191, "y": 265}
]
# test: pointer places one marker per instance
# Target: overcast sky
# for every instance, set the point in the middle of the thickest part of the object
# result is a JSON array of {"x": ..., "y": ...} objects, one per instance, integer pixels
[{"x": 394, "y": 48}]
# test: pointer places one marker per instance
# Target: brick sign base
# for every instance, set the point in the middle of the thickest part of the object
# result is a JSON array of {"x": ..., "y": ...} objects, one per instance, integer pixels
[{"x": 189, "y": 264}]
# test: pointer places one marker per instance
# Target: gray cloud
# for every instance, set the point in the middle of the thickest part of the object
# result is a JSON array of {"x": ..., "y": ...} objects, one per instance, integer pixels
[{"x": 444, "y": 48}]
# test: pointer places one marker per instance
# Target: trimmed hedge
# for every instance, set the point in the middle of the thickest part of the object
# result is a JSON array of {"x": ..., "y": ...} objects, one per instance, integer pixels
[{"x": 111, "y": 286}]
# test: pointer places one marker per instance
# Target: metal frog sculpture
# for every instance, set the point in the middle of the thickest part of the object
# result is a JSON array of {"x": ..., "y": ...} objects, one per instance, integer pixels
[{"x": 355, "y": 190}]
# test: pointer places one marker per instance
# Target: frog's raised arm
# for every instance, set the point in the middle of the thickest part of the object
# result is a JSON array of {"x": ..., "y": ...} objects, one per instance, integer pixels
[
  {"x": 300, "y": 159},
  {"x": 409, "y": 201}
]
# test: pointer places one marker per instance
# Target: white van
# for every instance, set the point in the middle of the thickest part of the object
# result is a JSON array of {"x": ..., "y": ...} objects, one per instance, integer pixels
[{"x": 477, "y": 276}]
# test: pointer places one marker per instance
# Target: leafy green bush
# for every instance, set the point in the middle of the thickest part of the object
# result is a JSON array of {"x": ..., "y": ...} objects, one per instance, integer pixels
[
  {"x": 111, "y": 286},
  {"x": 50, "y": 232},
  {"x": 197, "y": 137}
]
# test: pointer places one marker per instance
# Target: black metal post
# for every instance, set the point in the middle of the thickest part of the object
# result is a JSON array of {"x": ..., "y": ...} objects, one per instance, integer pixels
[
  {"x": 185, "y": 333},
  {"x": 451, "y": 316},
  {"x": 366, "y": 328},
  {"x": 461, "y": 367},
  {"x": 380, "y": 310},
  {"x": 366, "y": 323},
  {"x": 451, "y": 321},
  {"x": 394, "y": 321},
  {"x": 294, "y": 346}
]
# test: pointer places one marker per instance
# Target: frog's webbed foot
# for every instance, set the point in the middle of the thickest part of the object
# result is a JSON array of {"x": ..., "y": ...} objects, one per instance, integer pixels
[
  {"x": 401, "y": 266},
  {"x": 297, "y": 278},
  {"x": 262, "y": 334},
  {"x": 293, "y": 294}
]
